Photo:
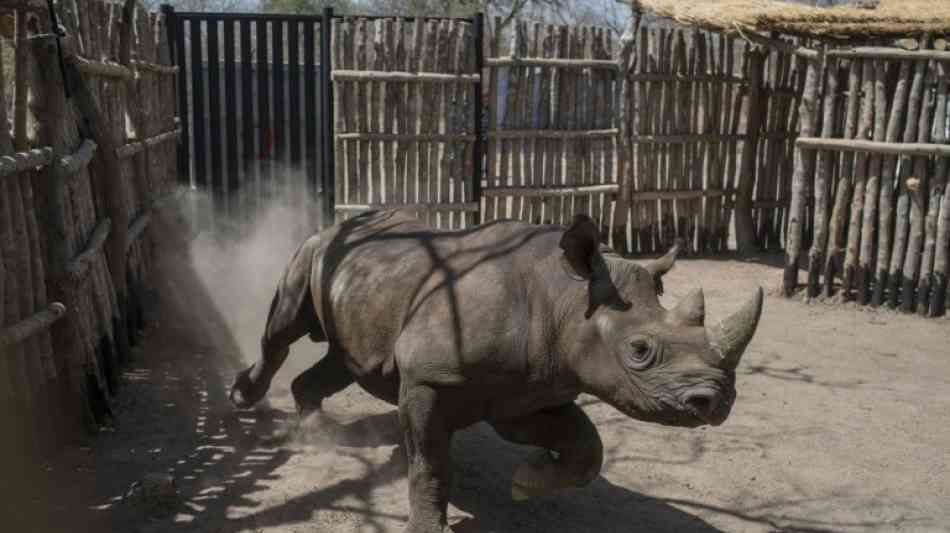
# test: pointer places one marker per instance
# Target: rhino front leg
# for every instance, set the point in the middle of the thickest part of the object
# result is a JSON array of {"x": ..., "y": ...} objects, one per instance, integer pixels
[
  {"x": 571, "y": 455},
  {"x": 428, "y": 437}
]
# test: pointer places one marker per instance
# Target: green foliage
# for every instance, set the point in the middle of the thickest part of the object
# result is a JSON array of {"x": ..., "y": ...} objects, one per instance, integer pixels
[{"x": 308, "y": 6}]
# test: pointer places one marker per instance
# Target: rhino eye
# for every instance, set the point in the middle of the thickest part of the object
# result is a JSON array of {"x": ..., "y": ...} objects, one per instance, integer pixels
[{"x": 642, "y": 353}]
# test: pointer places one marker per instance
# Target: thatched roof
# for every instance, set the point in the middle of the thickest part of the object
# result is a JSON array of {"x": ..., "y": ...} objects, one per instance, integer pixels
[{"x": 888, "y": 18}]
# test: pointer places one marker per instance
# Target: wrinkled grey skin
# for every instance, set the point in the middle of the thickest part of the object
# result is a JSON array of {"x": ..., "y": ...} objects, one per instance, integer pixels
[{"x": 505, "y": 323}]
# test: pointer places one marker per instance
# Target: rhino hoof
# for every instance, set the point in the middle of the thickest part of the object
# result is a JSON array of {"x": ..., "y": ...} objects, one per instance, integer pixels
[
  {"x": 244, "y": 394},
  {"x": 537, "y": 476}
]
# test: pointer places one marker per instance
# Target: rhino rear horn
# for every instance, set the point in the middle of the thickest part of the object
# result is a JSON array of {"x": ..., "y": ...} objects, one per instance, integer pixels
[{"x": 731, "y": 336}]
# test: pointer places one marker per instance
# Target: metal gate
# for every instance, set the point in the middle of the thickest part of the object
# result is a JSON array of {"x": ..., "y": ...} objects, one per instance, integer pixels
[{"x": 253, "y": 107}]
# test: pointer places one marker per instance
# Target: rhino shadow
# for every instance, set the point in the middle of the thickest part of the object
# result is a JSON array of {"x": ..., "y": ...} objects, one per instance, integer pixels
[{"x": 484, "y": 464}]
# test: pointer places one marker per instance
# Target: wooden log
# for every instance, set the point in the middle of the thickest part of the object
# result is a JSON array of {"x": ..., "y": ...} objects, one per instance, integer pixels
[
  {"x": 407, "y": 77},
  {"x": 880, "y": 52},
  {"x": 414, "y": 107},
  {"x": 625, "y": 91},
  {"x": 939, "y": 294},
  {"x": 155, "y": 68},
  {"x": 138, "y": 227},
  {"x": 421, "y": 137},
  {"x": 79, "y": 266},
  {"x": 21, "y": 76},
  {"x": 936, "y": 193},
  {"x": 816, "y": 257},
  {"x": 112, "y": 188},
  {"x": 886, "y": 198},
  {"x": 554, "y": 134},
  {"x": 401, "y": 122},
  {"x": 865, "y": 268},
  {"x": 572, "y": 63},
  {"x": 803, "y": 167},
  {"x": 447, "y": 40},
  {"x": 24, "y": 161},
  {"x": 546, "y": 149},
  {"x": 427, "y": 125},
  {"x": 744, "y": 224},
  {"x": 426, "y": 207},
  {"x": 30, "y": 326},
  {"x": 529, "y": 191},
  {"x": 536, "y": 154},
  {"x": 695, "y": 79},
  {"x": 70, "y": 165},
  {"x": 374, "y": 109},
  {"x": 105, "y": 69},
  {"x": 873, "y": 147},
  {"x": 902, "y": 215},
  {"x": 17, "y": 379},
  {"x": 339, "y": 36},
  {"x": 919, "y": 197},
  {"x": 837, "y": 229},
  {"x": 387, "y": 100},
  {"x": 860, "y": 179}
]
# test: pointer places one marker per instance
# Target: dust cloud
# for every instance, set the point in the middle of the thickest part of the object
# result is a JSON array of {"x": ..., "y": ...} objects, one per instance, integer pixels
[{"x": 225, "y": 257}]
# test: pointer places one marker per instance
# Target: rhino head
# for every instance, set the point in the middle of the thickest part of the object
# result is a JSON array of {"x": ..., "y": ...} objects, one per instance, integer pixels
[{"x": 654, "y": 364}]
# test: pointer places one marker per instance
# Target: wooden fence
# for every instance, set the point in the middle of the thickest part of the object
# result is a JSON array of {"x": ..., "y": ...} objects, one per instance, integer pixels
[
  {"x": 553, "y": 125},
  {"x": 650, "y": 136},
  {"x": 76, "y": 194},
  {"x": 873, "y": 151},
  {"x": 405, "y": 100}
]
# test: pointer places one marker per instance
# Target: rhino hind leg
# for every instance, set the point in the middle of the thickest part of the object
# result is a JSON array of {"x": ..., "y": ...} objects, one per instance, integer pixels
[
  {"x": 571, "y": 453},
  {"x": 325, "y": 378}
]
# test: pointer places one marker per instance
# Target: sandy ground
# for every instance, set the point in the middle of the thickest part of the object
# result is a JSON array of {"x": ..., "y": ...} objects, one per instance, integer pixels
[{"x": 841, "y": 425}]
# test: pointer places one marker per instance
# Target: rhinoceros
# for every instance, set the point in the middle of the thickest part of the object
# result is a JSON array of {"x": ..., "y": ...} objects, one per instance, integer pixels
[{"x": 505, "y": 323}]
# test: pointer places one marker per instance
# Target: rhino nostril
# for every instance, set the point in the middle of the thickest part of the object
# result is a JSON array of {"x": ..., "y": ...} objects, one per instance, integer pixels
[{"x": 703, "y": 402}]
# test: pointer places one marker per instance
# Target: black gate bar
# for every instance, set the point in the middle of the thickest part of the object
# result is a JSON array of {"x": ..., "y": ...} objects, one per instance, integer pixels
[{"x": 326, "y": 111}]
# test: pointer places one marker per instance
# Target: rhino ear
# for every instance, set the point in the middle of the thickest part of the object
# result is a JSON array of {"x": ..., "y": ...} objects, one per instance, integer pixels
[
  {"x": 659, "y": 267},
  {"x": 581, "y": 244},
  {"x": 582, "y": 251}
]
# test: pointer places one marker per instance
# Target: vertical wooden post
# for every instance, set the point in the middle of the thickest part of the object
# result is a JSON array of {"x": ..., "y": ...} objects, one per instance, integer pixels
[
  {"x": 328, "y": 155},
  {"x": 113, "y": 188},
  {"x": 816, "y": 256},
  {"x": 872, "y": 190},
  {"x": 939, "y": 292},
  {"x": 860, "y": 179},
  {"x": 903, "y": 202},
  {"x": 803, "y": 167},
  {"x": 21, "y": 74},
  {"x": 918, "y": 196},
  {"x": 837, "y": 231},
  {"x": 479, "y": 29},
  {"x": 49, "y": 108},
  {"x": 937, "y": 191},
  {"x": 886, "y": 199}
]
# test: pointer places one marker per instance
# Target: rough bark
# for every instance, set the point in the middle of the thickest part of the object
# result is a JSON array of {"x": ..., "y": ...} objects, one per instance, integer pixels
[
  {"x": 936, "y": 193},
  {"x": 803, "y": 167},
  {"x": 745, "y": 225},
  {"x": 886, "y": 199},
  {"x": 903, "y": 201},
  {"x": 816, "y": 256},
  {"x": 919, "y": 197}
]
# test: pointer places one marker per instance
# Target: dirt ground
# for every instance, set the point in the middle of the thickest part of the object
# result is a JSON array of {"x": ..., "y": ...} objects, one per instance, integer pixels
[{"x": 841, "y": 425}]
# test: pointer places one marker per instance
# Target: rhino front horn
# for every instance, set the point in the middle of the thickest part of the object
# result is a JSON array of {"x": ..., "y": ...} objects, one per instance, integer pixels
[{"x": 731, "y": 336}]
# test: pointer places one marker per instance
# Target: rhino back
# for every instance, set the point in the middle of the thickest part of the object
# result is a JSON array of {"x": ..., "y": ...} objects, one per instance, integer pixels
[{"x": 462, "y": 296}]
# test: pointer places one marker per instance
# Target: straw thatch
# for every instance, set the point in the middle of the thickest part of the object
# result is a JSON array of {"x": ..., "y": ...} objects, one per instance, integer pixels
[{"x": 888, "y": 18}]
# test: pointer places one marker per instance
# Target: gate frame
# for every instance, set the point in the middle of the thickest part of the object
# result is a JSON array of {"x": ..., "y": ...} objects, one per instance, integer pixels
[{"x": 326, "y": 109}]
